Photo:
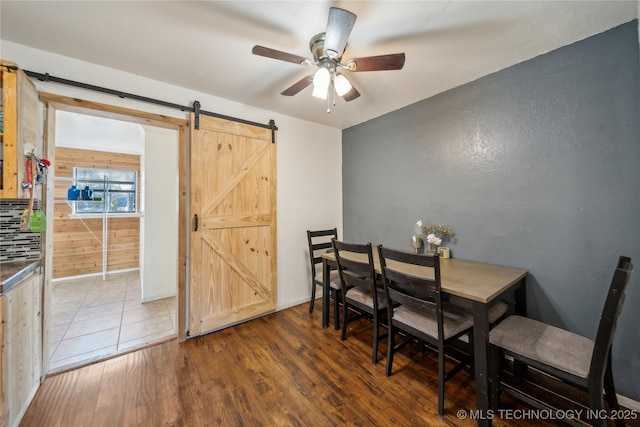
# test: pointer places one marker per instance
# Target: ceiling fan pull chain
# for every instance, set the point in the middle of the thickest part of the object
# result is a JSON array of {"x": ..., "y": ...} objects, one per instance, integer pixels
[{"x": 333, "y": 87}]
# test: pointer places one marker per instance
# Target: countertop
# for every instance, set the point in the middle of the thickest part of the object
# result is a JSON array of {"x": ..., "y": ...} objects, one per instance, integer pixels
[{"x": 11, "y": 273}]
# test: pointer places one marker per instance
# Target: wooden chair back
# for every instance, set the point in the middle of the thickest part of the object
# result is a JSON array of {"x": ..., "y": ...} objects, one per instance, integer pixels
[
  {"x": 359, "y": 272},
  {"x": 415, "y": 292},
  {"x": 319, "y": 242},
  {"x": 606, "y": 329}
]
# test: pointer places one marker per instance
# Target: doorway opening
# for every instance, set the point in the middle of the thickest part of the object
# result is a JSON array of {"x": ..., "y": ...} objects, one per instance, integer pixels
[{"x": 113, "y": 281}]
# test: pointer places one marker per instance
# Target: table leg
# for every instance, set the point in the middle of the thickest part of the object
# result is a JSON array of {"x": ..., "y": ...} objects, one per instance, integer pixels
[
  {"x": 486, "y": 367},
  {"x": 481, "y": 357},
  {"x": 521, "y": 298},
  {"x": 326, "y": 271}
]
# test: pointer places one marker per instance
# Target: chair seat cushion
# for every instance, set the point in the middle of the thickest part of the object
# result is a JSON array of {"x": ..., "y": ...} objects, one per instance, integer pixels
[
  {"x": 544, "y": 343},
  {"x": 334, "y": 278},
  {"x": 497, "y": 310},
  {"x": 454, "y": 321},
  {"x": 366, "y": 297}
]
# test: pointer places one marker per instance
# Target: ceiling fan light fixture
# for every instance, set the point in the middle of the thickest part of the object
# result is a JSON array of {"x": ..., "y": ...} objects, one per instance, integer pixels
[
  {"x": 321, "y": 81},
  {"x": 322, "y": 77},
  {"x": 341, "y": 84},
  {"x": 320, "y": 92}
]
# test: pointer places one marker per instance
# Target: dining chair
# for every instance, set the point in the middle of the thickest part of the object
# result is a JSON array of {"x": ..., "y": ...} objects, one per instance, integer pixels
[
  {"x": 320, "y": 242},
  {"x": 360, "y": 293},
  {"x": 567, "y": 356},
  {"x": 417, "y": 307}
]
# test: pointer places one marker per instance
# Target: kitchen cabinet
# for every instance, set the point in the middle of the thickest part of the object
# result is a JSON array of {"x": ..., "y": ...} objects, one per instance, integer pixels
[
  {"x": 21, "y": 356},
  {"x": 18, "y": 131}
]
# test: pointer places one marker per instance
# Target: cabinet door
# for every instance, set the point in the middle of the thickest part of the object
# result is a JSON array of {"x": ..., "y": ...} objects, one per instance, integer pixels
[
  {"x": 20, "y": 128},
  {"x": 20, "y": 309}
]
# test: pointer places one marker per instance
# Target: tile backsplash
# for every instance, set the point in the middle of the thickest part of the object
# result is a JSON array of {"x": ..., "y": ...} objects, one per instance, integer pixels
[{"x": 14, "y": 244}]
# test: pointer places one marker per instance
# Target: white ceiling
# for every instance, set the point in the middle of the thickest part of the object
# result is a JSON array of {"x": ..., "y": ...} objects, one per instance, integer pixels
[{"x": 206, "y": 45}]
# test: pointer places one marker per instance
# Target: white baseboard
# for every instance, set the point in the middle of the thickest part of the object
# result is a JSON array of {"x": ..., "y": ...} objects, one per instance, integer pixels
[
  {"x": 157, "y": 297},
  {"x": 628, "y": 403},
  {"x": 290, "y": 304}
]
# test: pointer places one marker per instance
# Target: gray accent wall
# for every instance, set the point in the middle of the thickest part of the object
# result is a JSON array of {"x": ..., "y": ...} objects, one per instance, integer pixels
[{"x": 536, "y": 166}]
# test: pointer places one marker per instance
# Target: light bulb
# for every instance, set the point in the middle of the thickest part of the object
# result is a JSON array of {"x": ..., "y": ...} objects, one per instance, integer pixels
[
  {"x": 342, "y": 85},
  {"x": 321, "y": 83},
  {"x": 322, "y": 77},
  {"x": 320, "y": 92}
]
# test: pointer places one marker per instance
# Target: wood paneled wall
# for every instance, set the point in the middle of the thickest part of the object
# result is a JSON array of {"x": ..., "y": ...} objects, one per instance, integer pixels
[{"x": 76, "y": 251}]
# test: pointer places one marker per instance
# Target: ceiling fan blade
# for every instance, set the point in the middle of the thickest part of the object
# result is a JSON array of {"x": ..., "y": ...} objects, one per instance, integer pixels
[
  {"x": 277, "y": 54},
  {"x": 298, "y": 86},
  {"x": 394, "y": 61},
  {"x": 339, "y": 28},
  {"x": 351, "y": 95}
]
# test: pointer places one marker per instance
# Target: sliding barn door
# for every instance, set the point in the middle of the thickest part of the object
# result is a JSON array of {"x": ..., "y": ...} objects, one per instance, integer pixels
[{"x": 233, "y": 224}]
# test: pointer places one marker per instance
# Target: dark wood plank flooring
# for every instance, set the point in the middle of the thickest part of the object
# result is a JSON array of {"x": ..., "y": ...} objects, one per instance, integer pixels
[{"x": 279, "y": 370}]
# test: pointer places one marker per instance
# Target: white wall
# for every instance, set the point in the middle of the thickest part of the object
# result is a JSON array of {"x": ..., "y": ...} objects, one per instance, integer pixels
[
  {"x": 158, "y": 151},
  {"x": 309, "y": 154},
  {"x": 159, "y": 239},
  {"x": 97, "y": 133}
]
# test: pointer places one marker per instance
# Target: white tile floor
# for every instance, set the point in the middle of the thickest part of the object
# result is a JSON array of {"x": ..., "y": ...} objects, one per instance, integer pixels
[{"x": 92, "y": 319}]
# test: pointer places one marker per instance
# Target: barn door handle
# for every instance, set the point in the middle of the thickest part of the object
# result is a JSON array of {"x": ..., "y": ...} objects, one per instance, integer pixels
[{"x": 195, "y": 217}]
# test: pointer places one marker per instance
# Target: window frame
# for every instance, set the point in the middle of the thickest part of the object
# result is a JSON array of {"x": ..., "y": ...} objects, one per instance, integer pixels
[{"x": 107, "y": 193}]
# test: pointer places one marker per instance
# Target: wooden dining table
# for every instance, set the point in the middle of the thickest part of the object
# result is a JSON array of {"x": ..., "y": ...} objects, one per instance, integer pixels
[{"x": 473, "y": 285}]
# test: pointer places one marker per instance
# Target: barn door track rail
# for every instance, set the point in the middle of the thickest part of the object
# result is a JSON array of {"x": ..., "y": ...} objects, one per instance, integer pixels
[{"x": 46, "y": 77}]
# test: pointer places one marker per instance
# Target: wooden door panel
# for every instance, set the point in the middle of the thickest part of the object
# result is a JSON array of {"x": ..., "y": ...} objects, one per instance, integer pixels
[
  {"x": 233, "y": 252},
  {"x": 247, "y": 196},
  {"x": 240, "y": 179},
  {"x": 237, "y": 276}
]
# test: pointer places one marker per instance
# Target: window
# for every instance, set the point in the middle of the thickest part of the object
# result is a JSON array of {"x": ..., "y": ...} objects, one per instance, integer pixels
[{"x": 105, "y": 190}]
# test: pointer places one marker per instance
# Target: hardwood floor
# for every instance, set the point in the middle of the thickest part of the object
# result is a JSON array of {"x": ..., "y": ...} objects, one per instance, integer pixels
[{"x": 279, "y": 370}]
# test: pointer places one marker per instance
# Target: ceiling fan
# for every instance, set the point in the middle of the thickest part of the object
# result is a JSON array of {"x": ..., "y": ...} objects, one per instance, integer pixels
[{"x": 327, "y": 49}]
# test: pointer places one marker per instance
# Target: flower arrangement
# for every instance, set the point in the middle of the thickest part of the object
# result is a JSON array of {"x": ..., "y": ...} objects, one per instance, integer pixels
[
  {"x": 434, "y": 233},
  {"x": 432, "y": 239},
  {"x": 437, "y": 229}
]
